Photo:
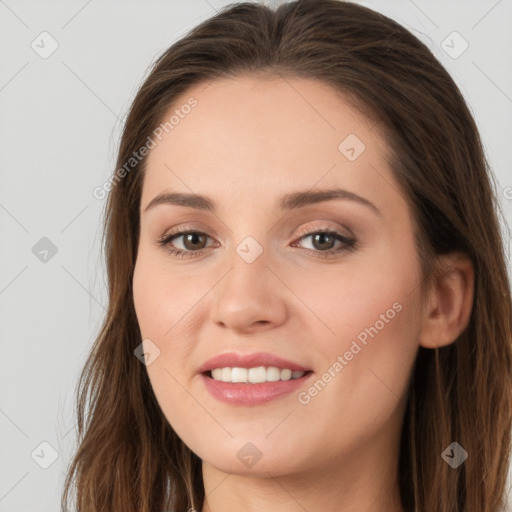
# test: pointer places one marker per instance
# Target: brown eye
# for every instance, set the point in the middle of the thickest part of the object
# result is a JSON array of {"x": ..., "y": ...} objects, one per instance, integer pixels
[
  {"x": 323, "y": 241},
  {"x": 194, "y": 241}
]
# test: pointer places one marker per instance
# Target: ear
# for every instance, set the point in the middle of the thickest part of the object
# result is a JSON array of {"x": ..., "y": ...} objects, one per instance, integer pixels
[{"x": 450, "y": 302}]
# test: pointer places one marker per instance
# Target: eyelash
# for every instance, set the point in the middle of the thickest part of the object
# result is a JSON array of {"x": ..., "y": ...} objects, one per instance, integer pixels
[{"x": 349, "y": 243}]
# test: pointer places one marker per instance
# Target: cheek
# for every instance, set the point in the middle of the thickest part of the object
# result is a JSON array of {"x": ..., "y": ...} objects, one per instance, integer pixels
[
  {"x": 147, "y": 292},
  {"x": 165, "y": 305},
  {"x": 162, "y": 298},
  {"x": 161, "y": 313},
  {"x": 370, "y": 329},
  {"x": 359, "y": 294},
  {"x": 367, "y": 358}
]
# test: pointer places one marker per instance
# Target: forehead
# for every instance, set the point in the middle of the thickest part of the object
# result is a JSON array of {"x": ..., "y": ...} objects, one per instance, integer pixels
[{"x": 256, "y": 134}]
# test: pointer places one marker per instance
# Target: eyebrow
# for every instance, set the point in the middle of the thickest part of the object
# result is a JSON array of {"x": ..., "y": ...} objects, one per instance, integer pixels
[{"x": 291, "y": 201}]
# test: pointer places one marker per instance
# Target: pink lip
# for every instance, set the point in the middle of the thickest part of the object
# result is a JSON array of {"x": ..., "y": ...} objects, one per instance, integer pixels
[
  {"x": 234, "y": 360},
  {"x": 245, "y": 393}
]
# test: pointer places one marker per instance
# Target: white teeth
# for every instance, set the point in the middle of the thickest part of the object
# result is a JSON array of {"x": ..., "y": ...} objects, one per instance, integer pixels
[
  {"x": 255, "y": 375},
  {"x": 286, "y": 374},
  {"x": 258, "y": 374},
  {"x": 239, "y": 375},
  {"x": 273, "y": 374},
  {"x": 217, "y": 374}
]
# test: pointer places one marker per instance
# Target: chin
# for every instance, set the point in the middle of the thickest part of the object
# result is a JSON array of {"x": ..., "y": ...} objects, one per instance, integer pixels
[{"x": 259, "y": 458}]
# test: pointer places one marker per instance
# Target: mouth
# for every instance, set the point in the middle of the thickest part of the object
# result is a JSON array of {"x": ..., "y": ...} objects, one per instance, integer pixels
[
  {"x": 244, "y": 387},
  {"x": 251, "y": 379}
]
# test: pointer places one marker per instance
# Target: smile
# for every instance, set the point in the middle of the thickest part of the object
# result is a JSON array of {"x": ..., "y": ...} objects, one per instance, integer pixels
[
  {"x": 255, "y": 375},
  {"x": 247, "y": 393}
]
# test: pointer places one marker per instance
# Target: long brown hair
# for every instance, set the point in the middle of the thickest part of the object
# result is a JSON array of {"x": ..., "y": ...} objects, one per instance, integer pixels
[{"x": 128, "y": 457}]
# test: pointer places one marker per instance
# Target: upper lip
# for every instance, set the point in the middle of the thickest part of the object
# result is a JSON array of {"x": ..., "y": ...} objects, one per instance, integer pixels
[{"x": 234, "y": 360}]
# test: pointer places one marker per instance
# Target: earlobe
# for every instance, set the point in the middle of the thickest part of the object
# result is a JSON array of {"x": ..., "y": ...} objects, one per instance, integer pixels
[{"x": 450, "y": 303}]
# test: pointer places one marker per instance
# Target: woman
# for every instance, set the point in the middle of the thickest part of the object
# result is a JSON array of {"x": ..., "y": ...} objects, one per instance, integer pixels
[{"x": 309, "y": 307}]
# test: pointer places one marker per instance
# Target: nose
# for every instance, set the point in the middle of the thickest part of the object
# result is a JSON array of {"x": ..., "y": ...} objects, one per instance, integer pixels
[{"x": 250, "y": 297}]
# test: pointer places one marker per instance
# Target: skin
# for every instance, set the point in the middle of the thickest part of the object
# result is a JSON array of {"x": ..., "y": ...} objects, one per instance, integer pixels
[{"x": 248, "y": 142}]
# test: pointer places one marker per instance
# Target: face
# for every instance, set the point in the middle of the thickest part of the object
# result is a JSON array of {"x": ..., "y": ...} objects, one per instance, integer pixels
[{"x": 328, "y": 285}]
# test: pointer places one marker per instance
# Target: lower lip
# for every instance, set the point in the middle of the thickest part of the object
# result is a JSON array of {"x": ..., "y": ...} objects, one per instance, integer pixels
[{"x": 251, "y": 394}]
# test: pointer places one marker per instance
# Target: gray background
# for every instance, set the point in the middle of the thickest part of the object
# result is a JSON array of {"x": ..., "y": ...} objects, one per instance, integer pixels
[{"x": 59, "y": 129}]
